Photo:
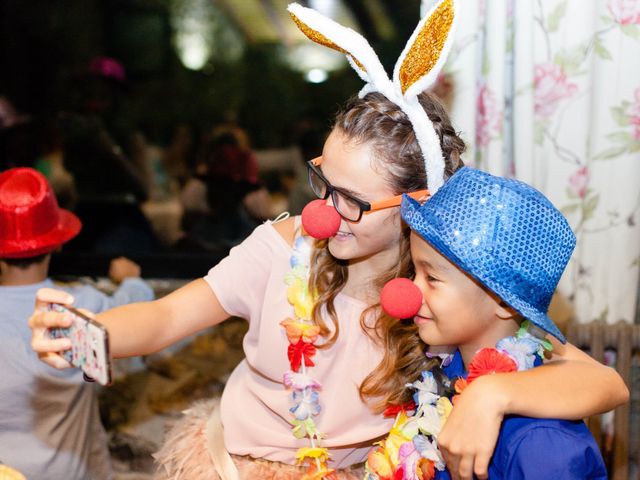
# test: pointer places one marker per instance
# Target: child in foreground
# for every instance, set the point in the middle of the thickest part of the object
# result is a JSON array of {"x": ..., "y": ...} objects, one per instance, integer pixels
[
  {"x": 488, "y": 253},
  {"x": 49, "y": 420}
]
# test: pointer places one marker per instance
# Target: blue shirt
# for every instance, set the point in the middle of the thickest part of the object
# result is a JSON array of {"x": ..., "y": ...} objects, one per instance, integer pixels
[
  {"x": 49, "y": 422},
  {"x": 539, "y": 449}
]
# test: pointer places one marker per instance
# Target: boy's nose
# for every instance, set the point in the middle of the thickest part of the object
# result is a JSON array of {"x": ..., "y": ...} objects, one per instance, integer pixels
[
  {"x": 419, "y": 283},
  {"x": 401, "y": 298}
]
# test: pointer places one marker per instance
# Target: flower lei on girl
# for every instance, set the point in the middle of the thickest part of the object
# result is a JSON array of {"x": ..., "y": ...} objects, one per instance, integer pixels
[
  {"x": 305, "y": 391},
  {"x": 410, "y": 451}
]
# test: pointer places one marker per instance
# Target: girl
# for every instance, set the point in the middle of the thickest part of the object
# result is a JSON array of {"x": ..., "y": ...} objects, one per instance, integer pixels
[{"x": 315, "y": 326}]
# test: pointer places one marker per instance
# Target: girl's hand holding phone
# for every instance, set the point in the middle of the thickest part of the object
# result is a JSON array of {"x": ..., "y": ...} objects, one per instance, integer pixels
[
  {"x": 86, "y": 343},
  {"x": 47, "y": 348},
  {"x": 89, "y": 344}
]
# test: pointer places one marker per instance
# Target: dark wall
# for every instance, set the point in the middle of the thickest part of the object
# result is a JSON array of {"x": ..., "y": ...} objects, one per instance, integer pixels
[
  {"x": 42, "y": 42},
  {"x": 46, "y": 45}
]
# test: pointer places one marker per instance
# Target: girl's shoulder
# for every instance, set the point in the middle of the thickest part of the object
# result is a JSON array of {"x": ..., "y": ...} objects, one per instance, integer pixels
[{"x": 287, "y": 229}]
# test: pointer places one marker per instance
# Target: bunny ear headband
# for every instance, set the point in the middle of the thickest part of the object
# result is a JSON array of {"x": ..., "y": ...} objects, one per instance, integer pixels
[{"x": 416, "y": 69}]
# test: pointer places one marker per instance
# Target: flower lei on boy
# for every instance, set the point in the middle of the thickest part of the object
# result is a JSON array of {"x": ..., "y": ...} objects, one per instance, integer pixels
[
  {"x": 302, "y": 334},
  {"x": 410, "y": 451}
]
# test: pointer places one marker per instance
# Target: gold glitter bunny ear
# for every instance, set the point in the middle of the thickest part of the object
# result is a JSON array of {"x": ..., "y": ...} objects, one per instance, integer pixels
[
  {"x": 329, "y": 33},
  {"x": 321, "y": 39},
  {"x": 417, "y": 68},
  {"x": 424, "y": 55}
]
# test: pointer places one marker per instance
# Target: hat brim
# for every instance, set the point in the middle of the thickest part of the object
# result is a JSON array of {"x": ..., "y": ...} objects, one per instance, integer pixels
[
  {"x": 68, "y": 227},
  {"x": 410, "y": 212}
]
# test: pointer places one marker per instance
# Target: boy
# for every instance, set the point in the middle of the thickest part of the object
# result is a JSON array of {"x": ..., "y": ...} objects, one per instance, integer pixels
[
  {"x": 49, "y": 422},
  {"x": 488, "y": 253}
]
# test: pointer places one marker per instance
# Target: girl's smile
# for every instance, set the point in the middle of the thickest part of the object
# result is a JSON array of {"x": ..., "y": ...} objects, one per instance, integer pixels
[
  {"x": 342, "y": 236},
  {"x": 420, "y": 320}
]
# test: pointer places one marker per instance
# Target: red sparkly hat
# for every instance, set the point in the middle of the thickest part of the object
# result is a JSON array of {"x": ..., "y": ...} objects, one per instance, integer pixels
[{"x": 31, "y": 223}]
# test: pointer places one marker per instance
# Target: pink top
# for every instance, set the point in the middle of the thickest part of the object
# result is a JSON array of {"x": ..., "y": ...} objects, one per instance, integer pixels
[{"x": 249, "y": 283}]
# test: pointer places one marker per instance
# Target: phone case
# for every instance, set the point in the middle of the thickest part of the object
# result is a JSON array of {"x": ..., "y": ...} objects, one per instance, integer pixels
[{"x": 89, "y": 344}]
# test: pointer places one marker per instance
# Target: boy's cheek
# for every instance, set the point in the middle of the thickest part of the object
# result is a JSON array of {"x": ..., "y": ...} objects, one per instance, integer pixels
[{"x": 425, "y": 333}]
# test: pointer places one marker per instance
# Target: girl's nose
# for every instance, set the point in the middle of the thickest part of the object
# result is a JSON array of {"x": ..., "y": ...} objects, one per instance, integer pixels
[
  {"x": 401, "y": 298},
  {"x": 329, "y": 202},
  {"x": 320, "y": 220}
]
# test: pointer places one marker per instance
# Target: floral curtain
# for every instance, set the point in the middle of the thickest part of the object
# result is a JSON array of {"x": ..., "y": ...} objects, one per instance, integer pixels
[{"x": 548, "y": 91}]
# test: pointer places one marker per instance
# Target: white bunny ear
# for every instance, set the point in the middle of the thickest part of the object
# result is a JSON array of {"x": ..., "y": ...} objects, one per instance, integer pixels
[
  {"x": 331, "y": 34},
  {"x": 418, "y": 66},
  {"x": 426, "y": 51}
]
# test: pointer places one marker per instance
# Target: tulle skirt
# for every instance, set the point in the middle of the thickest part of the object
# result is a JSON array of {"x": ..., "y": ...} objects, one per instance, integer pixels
[{"x": 193, "y": 450}]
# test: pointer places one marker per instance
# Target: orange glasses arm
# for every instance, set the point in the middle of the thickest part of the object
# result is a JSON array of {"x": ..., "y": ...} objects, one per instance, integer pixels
[{"x": 395, "y": 201}]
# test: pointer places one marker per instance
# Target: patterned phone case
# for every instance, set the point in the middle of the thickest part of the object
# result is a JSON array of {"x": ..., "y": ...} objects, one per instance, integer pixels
[{"x": 89, "y": 344}]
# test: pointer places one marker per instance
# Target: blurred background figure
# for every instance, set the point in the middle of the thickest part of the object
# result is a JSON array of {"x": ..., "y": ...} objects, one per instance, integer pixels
[
  {"x": 180, "y": 154},
  {"x": 35, "y": 141},
  {"x": 309, "y": 139},
  {"x": 9, "y": 116},
  {"x": 111, "y": 175},
  {"x": 225, "y": 199}
]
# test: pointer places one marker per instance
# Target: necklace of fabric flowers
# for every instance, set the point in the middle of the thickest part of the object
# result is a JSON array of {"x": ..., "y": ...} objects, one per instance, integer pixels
[
  {"x": 305, "y": 391},
  {"x": 410, "y": 451}
]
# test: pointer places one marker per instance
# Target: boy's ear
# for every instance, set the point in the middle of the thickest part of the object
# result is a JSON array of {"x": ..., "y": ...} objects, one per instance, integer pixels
[{"x": 505, "y": 312}]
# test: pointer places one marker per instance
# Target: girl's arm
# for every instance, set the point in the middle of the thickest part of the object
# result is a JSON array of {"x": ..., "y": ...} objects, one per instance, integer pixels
[
  {"x": 134, "y": 329},
  {"x": 571, "y": 386},
  {"x": 144, "y": 328}
]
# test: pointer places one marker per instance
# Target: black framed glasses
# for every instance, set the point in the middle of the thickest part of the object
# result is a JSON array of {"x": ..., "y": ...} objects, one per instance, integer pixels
[{"x": 349, "y": 207}]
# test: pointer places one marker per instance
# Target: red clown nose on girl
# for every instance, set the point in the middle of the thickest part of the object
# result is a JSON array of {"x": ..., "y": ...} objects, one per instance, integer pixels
[{"x": 320, "y": 220}]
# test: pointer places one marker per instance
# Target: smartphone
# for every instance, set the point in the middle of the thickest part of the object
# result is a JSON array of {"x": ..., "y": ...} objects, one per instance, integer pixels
[{"x": 89, "y": 344}]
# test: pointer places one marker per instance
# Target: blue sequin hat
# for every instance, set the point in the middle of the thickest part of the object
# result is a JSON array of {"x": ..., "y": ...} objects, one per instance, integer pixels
[{"x": 502, "y": 232}]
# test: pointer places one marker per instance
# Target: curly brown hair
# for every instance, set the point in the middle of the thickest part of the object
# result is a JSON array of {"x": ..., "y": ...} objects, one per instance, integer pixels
[{"x": 381, "y": 124}]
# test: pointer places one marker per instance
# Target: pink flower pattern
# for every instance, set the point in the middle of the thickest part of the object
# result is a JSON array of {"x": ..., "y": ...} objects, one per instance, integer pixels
[
  {"x": 633, "y": 112},
  {"x": 443, "y": 86},
  {"x": 488, "y": 115},
  {"x": 551, "y": 86},
  {"x": 624, "y": 12},
  {"x": 579, "y": 181}
]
